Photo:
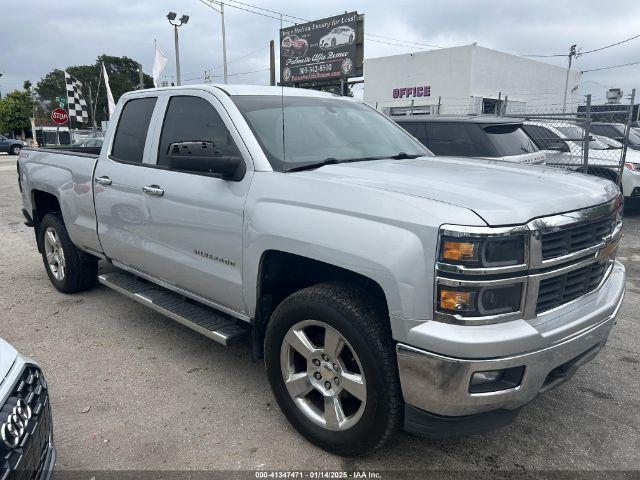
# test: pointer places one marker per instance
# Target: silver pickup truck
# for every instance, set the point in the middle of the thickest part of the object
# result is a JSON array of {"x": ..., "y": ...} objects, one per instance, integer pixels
[{"x": 385, "y": 288}]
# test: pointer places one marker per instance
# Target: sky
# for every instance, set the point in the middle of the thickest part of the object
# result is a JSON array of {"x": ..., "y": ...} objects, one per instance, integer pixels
[{"x": 39, "y": 35}]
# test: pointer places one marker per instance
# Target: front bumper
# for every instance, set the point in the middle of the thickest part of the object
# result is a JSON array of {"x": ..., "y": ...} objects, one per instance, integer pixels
[{"x": 439, "y": 384}]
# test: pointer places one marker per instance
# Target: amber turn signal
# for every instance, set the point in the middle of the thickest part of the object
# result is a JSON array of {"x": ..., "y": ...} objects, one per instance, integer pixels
[
  {"x": 459, "y": 251},
  {"x": 456, "y": 300}
]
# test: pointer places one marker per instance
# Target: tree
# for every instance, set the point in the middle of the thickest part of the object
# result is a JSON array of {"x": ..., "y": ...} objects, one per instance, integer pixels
[
  {"x": 16, "y": 109},
  {"x": 123, "y": 77}
]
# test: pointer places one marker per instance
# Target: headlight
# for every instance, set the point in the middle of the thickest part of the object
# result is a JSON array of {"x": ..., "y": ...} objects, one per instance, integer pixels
[
  {"x": 479, "y": 301},
  {"x": 476, "y": 252},
  {"x": 635, "y": 167}
]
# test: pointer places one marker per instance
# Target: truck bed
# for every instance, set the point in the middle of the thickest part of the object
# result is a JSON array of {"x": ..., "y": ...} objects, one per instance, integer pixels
[{"x": 66, "y": 175}]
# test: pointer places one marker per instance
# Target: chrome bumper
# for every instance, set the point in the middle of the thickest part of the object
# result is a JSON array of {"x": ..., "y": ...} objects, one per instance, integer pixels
[{"x": 439, "y": 384}]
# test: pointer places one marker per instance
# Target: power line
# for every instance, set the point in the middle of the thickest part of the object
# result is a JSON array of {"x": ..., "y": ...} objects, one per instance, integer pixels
[
  {"x": 229, "y": 75},
  {"x": 244, "y": 56},
  {"x": 545, "y": 56},
  {"x": 609, "y": 46},
  {"x": 611, "y": 66},
  {"x": 403, "y": 43}
]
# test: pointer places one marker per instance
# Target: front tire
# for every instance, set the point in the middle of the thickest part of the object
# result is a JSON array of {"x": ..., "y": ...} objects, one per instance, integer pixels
[
  {"x": 15, "y": 150},
  {"x": 332, "y": 367},
  {"x": 69, "y": 269}
]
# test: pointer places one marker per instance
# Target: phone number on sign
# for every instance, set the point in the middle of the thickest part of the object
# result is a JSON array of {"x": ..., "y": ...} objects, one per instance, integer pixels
[{"x": 325, "y": 67}]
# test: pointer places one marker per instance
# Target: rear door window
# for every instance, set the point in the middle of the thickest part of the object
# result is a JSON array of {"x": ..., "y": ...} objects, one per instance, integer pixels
[
  {"x": 509, "y": 140},
  {"x": 131, "y": 134},
  {"x": 455, "y": 139}
]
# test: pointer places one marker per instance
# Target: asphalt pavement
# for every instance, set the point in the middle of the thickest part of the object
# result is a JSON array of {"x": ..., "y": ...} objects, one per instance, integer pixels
[{"x": 133, "y": 390}]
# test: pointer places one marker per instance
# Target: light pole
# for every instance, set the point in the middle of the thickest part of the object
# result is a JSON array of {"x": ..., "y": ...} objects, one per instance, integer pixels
[
  {"x": 209, "y": 3},
  {"x": 171, "y": 16},
  {"x": 1, "y": 91}
]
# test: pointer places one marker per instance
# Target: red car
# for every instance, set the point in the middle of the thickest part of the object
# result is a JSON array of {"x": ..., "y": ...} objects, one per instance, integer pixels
[{"x": 294, "y": 46}]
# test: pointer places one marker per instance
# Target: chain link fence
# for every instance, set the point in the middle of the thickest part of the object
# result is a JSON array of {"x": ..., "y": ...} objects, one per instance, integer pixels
[{"x": 597, "y": 140}]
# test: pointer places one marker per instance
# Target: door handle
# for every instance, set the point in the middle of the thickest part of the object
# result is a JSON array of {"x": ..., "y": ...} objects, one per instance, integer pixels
[
  {"x": 104, "y": 180},
  {"x": 153, "y": 190}
]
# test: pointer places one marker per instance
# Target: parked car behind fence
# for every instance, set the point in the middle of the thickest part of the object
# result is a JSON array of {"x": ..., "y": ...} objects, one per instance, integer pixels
[{"x": 489, "y": 137}]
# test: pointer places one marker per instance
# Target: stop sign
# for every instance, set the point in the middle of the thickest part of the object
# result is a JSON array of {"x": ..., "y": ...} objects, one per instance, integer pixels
[{"x": 59, "y": 116}]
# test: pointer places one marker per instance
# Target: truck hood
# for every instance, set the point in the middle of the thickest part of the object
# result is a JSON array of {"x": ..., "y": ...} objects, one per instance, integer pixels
[
  {"x": 8, "y": 355},
  {"x": 500, "y": 193}
]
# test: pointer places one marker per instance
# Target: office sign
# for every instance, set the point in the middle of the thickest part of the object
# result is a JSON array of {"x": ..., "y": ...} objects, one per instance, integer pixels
[{"x": 322, "y": 50}]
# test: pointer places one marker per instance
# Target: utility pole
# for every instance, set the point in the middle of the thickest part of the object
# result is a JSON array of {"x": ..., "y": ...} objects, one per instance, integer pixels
[
  {"x": 210, "y": 3},
  {"x": 572, "y": 54},
  {"x": 93, "y": 120},
  {"x": 224, "y": 43},
  {"x": 140, "y": 77},
  {"x": 272, "y": 64}
]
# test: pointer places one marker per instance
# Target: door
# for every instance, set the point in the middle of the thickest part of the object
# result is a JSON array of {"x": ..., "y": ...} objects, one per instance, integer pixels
[
  {"x": 119, "y": 179},
  {"x": 193, "y": 233},
  {"x": 4, "y": 144}
]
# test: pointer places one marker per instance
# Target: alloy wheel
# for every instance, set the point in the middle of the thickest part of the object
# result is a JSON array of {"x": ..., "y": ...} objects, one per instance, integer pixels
[
  {"x": 55, "y": 254},
  {"x": 323, "y": 375}
]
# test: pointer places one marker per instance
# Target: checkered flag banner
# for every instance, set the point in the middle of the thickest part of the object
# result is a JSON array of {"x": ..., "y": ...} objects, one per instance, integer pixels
[{"x": 77, "y": 105}]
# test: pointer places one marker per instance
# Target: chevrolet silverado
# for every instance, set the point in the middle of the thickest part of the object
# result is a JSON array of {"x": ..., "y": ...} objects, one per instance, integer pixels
[{"x": 384, "y": 287}]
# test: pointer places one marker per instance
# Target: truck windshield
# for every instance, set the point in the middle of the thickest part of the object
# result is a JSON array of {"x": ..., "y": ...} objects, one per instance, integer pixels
[{"x": 320, "y": 129}]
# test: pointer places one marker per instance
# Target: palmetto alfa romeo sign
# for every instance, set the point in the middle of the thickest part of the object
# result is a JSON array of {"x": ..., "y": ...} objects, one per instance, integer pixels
[{"x": 320, "y": 50}]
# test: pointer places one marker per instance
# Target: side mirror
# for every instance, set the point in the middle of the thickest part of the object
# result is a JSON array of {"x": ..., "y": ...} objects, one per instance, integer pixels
[
  {"x": 202, "y": 157},
  {"x": 619, "y": 139}
]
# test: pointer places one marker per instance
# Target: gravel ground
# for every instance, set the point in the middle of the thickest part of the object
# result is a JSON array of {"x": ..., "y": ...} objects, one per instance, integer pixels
[{"x": 132, "y": 390}]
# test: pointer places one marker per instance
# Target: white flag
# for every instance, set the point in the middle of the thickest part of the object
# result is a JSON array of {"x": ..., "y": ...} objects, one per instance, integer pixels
[
  {"x": 110, "y": 102},
  {"x": 158, "y": 64}
]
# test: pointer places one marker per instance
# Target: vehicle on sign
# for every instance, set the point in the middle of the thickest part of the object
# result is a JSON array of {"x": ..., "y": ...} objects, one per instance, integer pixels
[
  {"x": 60, "y": 116},
  {"x": 215, "y": 219},
  {"x": 488, "y": 137},
  {"x": 26, "y": 432},
  {"x": 294, "y": 46},
  {"x": 338, "y": 36},
  {"x": 562, "y": 145},
  {"x": 11, "y": 146}
]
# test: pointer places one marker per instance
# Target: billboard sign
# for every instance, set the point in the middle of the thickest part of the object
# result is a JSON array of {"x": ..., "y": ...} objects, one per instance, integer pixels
[{"x": 322, "y": 50}]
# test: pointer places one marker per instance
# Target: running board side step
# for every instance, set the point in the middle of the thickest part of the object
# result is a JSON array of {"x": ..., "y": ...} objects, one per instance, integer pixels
[{"x": 216, "y": 325}]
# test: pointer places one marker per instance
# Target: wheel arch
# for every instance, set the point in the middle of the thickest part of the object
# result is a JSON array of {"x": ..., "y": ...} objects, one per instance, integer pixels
[
  {"x": 43, "y": 203},
  {"x": 282, "y": 273}
]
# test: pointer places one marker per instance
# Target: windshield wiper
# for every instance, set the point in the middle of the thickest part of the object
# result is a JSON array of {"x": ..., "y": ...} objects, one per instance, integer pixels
[
  {"x": 334, "y": 161},
  {"x": 405, "y": 156},
  {"x": 310, "y": 166}
]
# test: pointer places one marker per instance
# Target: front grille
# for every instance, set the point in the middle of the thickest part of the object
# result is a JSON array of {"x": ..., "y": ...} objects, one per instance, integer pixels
[
  {"x": 573, "y": 239},
  {"x": 561, "y": 289},
  {"x": 27, "y": 460}
]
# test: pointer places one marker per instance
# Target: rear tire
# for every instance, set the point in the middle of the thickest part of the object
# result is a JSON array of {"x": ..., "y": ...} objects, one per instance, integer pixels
[
  {"x": 366, "y": 365},
  {"x": 69, "y": 269}
]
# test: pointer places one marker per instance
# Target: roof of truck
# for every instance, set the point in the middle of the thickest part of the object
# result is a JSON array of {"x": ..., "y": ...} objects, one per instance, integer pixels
[{"x": 246, "y": 90}]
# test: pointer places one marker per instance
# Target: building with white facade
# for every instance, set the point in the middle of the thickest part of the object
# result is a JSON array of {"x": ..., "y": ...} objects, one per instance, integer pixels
[{"x": 467, "y": 80}]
